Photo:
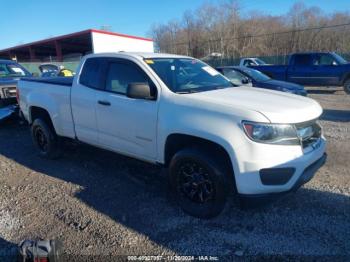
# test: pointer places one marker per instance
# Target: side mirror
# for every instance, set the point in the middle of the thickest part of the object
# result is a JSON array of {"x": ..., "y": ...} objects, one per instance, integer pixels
[
  {"x": 35, "y": 74},
  {"x": 139, "y": 91},
  {"x": 245, "y": 81}
]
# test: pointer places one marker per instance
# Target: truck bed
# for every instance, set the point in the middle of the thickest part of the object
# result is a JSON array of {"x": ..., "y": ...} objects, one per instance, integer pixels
[
  {"x": 62, "y": 81},
  {"x": 52, "y": 94}
]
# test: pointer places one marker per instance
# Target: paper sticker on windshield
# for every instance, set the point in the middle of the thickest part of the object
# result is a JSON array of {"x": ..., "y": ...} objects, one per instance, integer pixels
[
  {"x": 149, "y": 61},
  {"x": 17, "y": 70},
  {"x": 210, "y": 70}
]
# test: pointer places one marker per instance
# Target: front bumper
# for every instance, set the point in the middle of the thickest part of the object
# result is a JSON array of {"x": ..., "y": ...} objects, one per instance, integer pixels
[
  {"x": 252, "y": 200},
  {"x": 8, "y": 101},
  {"x": 7, "y": 111}
]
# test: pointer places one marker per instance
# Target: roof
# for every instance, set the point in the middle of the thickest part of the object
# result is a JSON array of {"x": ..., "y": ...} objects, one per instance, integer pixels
[
  {"x": 311, "y": 53},
  {"x": 7, "y": 61},
  {"x": 155, "y": 55},
  {"x": 118, "y": 34},
  {"x": 140, "y": 55},
  {"x": 76, "y": 34},
  {"x": 230, "y": 67}
]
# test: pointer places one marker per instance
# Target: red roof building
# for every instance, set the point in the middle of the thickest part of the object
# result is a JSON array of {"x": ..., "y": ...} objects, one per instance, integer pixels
[{"x": 70, "y": 46}]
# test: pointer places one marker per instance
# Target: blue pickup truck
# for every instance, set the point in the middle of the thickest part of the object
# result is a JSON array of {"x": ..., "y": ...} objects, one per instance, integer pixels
[{"x": 312, "y": 69}]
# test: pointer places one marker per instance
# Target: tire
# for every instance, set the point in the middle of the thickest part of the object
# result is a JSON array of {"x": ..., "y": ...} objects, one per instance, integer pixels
[
  {"x": 45, "y": 139},
  {"x": 347, "y": 86},
  {"x": 194, "y": 170}
]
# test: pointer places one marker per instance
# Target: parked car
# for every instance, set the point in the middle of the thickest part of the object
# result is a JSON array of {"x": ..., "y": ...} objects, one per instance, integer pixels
[
  {"x": 251, "y": 61},
  {"x": 240, "y": 75},
  {"x": 312, "y": 69},
  {"x": 178, "y": 112},
  {"x": 10, "y": 73}
]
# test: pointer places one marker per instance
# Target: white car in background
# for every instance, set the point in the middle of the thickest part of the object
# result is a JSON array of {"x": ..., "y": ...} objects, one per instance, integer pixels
[
  {"x": 178, "y": 112},
  {"x": 251, "y": 61}
]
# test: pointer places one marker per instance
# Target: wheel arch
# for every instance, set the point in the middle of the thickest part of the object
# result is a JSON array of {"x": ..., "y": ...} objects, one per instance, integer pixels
[
  {"x": 346, "y": 78},
  {"x": 177, "y": 141},
  {"x": 39, "y": 112}
]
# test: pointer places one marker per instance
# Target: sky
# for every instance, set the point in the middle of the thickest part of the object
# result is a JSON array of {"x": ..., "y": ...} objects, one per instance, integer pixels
[{"x": 24, "y": 21}]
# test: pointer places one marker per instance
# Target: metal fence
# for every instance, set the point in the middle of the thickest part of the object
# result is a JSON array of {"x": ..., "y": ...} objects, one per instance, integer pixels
[{"x": 275, "y": 60}]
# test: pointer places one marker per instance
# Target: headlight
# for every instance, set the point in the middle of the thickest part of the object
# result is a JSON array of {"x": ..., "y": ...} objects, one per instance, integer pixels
[{"x": 278, "y": 134}]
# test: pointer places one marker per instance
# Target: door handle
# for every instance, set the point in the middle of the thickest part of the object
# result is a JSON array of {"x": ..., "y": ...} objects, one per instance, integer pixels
[{"x": 104, "y": 103}]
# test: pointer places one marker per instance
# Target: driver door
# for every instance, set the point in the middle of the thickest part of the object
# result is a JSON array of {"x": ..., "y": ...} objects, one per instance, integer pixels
[{"x": 126, "y": 125}]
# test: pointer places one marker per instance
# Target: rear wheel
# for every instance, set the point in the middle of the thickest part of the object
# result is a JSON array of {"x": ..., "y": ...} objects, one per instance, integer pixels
[
  {"x": 347, "y": 86},
  {"x": 45, "y": 139},
  {"x": 199, "y": 182}
]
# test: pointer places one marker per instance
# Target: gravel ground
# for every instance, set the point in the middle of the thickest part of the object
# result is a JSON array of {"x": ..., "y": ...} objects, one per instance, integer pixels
[{"x": 99, "y": 203}]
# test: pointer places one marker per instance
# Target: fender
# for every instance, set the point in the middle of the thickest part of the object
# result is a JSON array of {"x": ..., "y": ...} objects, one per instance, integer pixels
[
  {"x": 47, "y": 103},
  {"x": 219, "y": 127},
  {"x": 345, "y": 77}
]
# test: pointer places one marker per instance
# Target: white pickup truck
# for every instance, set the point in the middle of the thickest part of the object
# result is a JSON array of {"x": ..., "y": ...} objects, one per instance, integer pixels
[
  {"x": 179, "y": 112},
  {"x": 251, "y": 61}
]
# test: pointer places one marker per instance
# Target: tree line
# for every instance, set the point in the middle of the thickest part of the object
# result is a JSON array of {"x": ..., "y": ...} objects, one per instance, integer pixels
[{"x": 223, "y": 29}]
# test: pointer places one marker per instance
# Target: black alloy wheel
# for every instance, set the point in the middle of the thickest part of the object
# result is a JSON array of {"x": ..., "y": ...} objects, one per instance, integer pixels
[
  {"x": 195, "y": 183},
  {"x": 199, "y": 181},
  {"x": 45, "y": 139}
]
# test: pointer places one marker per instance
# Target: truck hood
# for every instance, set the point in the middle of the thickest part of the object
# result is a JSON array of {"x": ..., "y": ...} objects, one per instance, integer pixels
[
  {"x": 5, "y": 81},
  {"x": 278, "y": 107}
]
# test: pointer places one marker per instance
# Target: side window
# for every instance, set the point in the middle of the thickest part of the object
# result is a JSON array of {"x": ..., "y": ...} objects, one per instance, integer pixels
[
  {"x": 234, "y": 76},
  {"x": 3, "y": 69},
  {"x": 120, "y": 75},
  {"x": 91, "y": 73},
  {"x": 248, "y": 62},
  {"x": 302, "y": 60},
  {"x": 324, "y": 59}
]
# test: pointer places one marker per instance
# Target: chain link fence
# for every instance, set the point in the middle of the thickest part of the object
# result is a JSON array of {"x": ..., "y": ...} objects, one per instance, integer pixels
[{"x": 274, "y": 60}]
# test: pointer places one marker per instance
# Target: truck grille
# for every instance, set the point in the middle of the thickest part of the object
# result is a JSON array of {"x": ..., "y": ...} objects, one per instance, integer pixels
[
  {"x": 309, "y": 132},
  {"x": 9, "y": 91}
]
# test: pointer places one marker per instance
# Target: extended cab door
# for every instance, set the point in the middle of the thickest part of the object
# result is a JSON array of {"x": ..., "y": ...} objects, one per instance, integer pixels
[
  {"x": 86, "y": 92},
  {"x": 300, "y": 69},
  {"x": 127, "y": 125},
  {"x": 325, "y": 70}
]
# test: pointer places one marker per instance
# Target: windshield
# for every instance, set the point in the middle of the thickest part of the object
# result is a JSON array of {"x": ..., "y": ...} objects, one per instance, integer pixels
[
  {"x": 340, "y": 59},
  {"x": 255, "y": 74},
  {"x": 12, "y": 70},
  {"x": 187, "y": 75},
  {"x": 235, "y": 77},
  {"x": 260, "y": 62}
]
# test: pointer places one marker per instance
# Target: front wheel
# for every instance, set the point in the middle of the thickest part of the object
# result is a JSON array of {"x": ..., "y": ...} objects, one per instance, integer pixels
[
  {"x": 347, "y": 86},
  {"x": 45, "y": 139},
  {"x": 199, "y": 182}
]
